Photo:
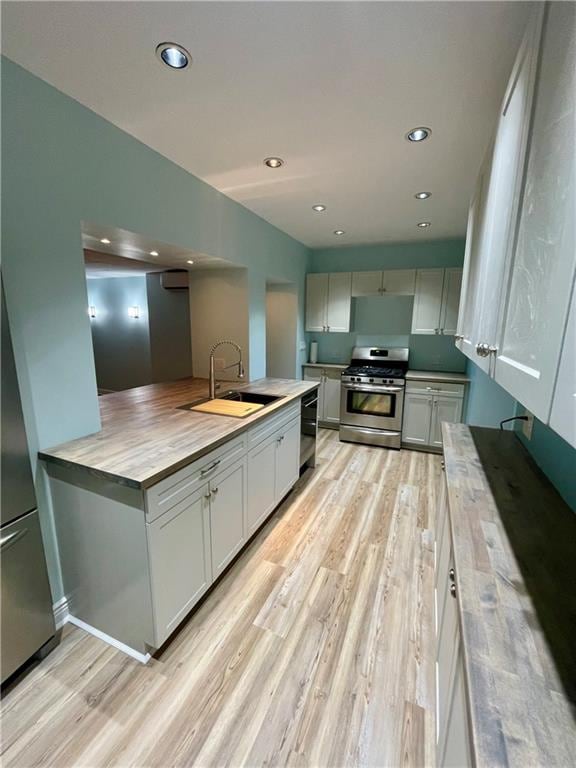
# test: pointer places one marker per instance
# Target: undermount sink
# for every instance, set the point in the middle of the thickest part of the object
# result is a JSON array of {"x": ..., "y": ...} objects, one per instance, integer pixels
[{"x": 250, "y": 397}]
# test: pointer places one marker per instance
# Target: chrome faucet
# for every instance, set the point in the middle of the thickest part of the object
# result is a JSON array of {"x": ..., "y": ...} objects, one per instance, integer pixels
[{"x": 212, "y": 380}]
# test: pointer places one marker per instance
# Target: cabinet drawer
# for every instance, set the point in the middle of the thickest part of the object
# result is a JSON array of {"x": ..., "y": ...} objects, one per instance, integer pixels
[
  {"x": 268, "y": 426},
  {"x": 166, "y": 494},
  {"x": 434, "y": 388}
]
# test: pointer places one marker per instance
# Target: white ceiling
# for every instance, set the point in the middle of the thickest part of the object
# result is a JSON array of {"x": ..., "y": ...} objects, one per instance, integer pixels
[{"x": 331, "y": 87}]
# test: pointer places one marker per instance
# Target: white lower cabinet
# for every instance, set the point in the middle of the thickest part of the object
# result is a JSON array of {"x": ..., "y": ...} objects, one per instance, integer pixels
[
  {"x": 227, "y": 492},
  {"x": 426, "y": 405},
  {"x": 328, "y": 392},
  {"x": 180, "y": 561},
  {"x": 273, "y": 468}
]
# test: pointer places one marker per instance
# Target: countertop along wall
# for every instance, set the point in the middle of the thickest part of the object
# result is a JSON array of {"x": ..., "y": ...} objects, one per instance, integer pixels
[
  {"x": 387, "y": 320},
  {"x": 63, "y": 164}
]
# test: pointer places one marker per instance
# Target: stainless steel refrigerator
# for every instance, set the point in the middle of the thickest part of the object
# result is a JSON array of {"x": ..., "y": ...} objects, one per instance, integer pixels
[{"x": 27, "y": 618}]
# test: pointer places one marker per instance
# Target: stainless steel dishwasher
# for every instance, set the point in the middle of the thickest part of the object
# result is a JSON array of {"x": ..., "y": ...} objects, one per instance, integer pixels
[{"x": 308, "y": 429}]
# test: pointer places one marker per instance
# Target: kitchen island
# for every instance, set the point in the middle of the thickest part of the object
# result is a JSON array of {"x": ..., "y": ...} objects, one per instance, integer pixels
[{"x": 152, "y": 509}]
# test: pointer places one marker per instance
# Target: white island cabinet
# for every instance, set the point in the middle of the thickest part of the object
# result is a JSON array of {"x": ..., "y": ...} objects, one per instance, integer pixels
[{"x": 135, "y": 561}]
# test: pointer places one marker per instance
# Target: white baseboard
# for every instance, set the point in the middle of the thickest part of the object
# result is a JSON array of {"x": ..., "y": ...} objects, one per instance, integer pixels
[
  {"x": 61, "y": 613},
  {"x": 144, "y": 658}
]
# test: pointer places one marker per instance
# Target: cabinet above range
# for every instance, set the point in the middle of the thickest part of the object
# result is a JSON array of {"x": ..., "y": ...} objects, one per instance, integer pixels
[{"x": 436, "y": 295}]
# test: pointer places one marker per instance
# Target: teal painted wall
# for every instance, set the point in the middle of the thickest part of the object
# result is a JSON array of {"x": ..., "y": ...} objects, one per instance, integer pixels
[
  {"x": 488, "y": 404},
  {"x": 62, "y": 164},
  {"x": 387, "y": 320}
]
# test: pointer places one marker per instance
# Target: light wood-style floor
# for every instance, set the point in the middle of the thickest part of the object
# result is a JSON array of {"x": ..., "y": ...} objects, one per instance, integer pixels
[{"x": 315, "y": 649}]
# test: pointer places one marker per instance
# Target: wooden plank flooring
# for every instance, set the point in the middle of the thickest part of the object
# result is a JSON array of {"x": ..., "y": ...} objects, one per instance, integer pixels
[{"x": 315, "y": 649}]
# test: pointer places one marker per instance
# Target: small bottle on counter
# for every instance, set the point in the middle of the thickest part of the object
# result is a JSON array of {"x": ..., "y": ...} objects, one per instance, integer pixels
[{"x": 313, "y": 352}]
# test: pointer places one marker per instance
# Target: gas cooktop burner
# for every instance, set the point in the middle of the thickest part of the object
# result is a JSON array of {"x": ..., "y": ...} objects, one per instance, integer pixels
[{"x": 373, "y": 370}]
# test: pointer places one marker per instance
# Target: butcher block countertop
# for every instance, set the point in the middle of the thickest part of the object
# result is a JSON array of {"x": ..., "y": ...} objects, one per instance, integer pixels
[
  {"x": 513, "y": 540},
  {"x": 440, "y": 376},
  {"x": 144, "y": 437}
]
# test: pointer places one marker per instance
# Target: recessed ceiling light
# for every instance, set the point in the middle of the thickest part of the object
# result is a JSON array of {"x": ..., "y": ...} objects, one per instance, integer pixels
[
  {"x": 418, "y": 134},
  {"x": 173, "y": 55},
  {"x": 273, "y": 162},
  {"x": 105, "y": 240},
  {"x": 154, "y": 253},
  {"x": 319, "y": 208},
  {"x": 189, "y": 261},
  {"x": 422, "y": 195},
  {"x": 424, "y": 224},
  {"x": 339, "y": 232}
]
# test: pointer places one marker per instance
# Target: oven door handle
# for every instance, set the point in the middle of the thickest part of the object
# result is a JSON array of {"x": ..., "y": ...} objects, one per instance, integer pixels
[{"x": 369, "y": 388}]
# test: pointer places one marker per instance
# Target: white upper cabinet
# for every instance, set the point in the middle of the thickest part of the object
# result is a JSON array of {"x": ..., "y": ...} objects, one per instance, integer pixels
[
  {"x": 436, "y": 301},
  {"x": 366, "y": 284},
  {"x": 328, "y": 300},
  {"x": 400, "y": 282},
  {"x": 339, "y": 301},
  {"x": 544, "y": 254},
  {"x": 316, "y": 301}
]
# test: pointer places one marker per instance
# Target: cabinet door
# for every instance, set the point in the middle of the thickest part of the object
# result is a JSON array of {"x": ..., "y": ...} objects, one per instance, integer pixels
[
  {"x": 339, "y": 301},
  {"x": 417, "y": 416},
  {"x": 261, "y": 483},
  {"x": 563, "y": 416},
  {"x": 180, "y": 561},
  {"x": 427, "y": 301},
  {"x": 450, "y": 300},
  {"x": 316, "y": 302},
  {"x": 317, "y": 374},
  {"x": 331, "y": 404},
  {"x": 544, "y": 254},
  {"x": 448, "y": 641},
  {"x": 228, "y": 515},
  {"x": 444, "y": 409},
  {"x": 366, "y": 283},
  {"x": 401, "y": 282},
  {"x": 287, "y": 458},
  {"x": 457, "y": 747}
]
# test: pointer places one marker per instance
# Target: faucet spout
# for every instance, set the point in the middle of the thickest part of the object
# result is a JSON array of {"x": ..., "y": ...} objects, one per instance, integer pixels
[{"x": 212, "y": 376}]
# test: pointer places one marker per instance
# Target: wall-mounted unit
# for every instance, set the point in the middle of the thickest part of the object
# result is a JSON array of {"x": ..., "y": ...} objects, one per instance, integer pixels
[{"x": 175, "y": 279}]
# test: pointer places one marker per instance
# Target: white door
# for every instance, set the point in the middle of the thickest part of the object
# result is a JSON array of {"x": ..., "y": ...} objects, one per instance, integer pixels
[
  {"x": 416, "y": 420},
  {"x": 261, "y": 483},
  {"x": 427, "y": 301},
  {"x": 444, "y": 409},
  {"x": 450, "y": 300},
  {"x": 563, "y": 416},
  {"x": 331, "y": 404},
  {"x": 317, "y": 374},
  {"x": 401, "y": 282},
  {"x": 228, "y": 515},
  {"x": 544, "y": 257},
  {"x": 339, "y": 301},
  {"x": 366, "y": 284},
  {"x": 316, "y": 302},
  {"x": 287, "y": 458},
  {"x": 180, "y": 564}
]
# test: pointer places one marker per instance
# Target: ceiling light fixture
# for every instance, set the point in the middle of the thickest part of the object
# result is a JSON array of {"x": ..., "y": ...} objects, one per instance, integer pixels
[
  {"x": 423, "y": 224},
  {"x": 173, "y": 55},
  {"x": 105, "y": 240},
  {"x": 422, "y": 195},
  {"x": 418, "y": 134},
  {"x": 274, "y": 162},
  {"x": 319, "y": 208},
  {"x": 154, "y": 253},
  {"x": 339, "y": 232},
  {"x": 189, "y": 261}
]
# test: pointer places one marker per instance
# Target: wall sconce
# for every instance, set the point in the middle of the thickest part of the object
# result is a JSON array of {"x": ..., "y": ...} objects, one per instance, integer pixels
[
  {"x": 134, "y": 312},
  {"x": 92, "y": 311}
]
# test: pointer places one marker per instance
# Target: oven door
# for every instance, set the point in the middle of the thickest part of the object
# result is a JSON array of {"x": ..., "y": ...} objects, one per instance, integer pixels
[{"x": 367, "y": 405}]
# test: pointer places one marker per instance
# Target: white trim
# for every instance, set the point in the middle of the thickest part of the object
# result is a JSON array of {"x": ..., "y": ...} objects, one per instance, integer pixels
[
  {"x": 61, "y": 612},
  {"x": 144, "y": 658}
]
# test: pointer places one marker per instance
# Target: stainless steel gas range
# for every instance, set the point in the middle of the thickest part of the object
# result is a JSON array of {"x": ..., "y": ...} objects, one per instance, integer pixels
[{"x": 372, "y": 396}]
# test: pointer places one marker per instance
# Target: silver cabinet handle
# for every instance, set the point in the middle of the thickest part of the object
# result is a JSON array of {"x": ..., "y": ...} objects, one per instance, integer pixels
[
  {"x": 208, "y": 495},
  {"x": 458, "y": 337},
  {"x": 210, "y": 468},
  {"x": 214, "y": 491},
  {"x": 453, "y": 590},
  {"x": 12, "y": 538},
  {"x": 280, "y": 438},
  {"x": 434, "y": 389},
  {"x": 483, "y": 349},
  {"x": 452, "y": 574}
]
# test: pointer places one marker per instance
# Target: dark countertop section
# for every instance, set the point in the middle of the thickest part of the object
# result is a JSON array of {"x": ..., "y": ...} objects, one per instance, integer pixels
[
  {"x": 145, "y": 437},
  {"x": 514, "y": 551}
]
